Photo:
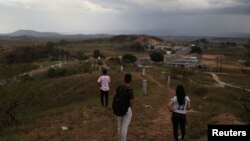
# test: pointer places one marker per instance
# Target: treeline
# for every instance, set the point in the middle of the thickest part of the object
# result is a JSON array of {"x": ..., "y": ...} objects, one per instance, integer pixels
[
  {"x": 136, "y": 46},
  {"x": 27, "y": 54}
]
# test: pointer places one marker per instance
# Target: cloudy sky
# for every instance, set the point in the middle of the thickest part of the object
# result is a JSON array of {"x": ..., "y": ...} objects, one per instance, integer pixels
[{"x": 176, "y": 17}]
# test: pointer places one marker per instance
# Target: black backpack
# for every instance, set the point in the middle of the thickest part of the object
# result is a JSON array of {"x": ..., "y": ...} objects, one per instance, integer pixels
[{"x": 121, "y": 101}]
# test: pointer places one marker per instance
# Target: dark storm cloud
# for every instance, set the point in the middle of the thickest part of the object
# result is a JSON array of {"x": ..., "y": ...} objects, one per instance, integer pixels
[
  {"x": 193, "y": 17},
  {"x": 175, "y": 7}
]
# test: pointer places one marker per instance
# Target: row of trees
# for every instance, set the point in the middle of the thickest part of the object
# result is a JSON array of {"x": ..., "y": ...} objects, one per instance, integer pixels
[
  {"x": 129, "y": 58},
  {"x": 27, "y": 54}
]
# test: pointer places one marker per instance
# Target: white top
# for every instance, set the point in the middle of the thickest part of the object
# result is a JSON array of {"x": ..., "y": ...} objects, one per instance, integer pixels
[
  {"x": 180, "y": 109},
  {"x": 104, "y": 80}
]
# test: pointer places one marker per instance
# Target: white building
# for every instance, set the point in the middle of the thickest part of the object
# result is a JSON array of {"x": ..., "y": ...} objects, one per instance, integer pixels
[{"x": 185, "y": 62}]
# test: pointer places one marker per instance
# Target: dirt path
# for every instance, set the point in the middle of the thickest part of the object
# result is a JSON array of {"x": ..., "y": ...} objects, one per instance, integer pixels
[
  {"x": 155, "y": 81},
  {"x": 162, "y": 126},
  {"x": 216, "y": 78},
  {"x": 223, "y": 84}
]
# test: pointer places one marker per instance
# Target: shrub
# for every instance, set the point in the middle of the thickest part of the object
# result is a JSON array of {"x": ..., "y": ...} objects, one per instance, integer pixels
[
  {"x": 156, "y": 56},
  {"x": 86, "y": 67},
  {"x": 114, "y": 61},
  {"x": 55, "y": 72},
  {"x": 97, "y": 54},
  {"x": 196, "y": 49},
  {"x": 137, "y": 47},
  {"x": 129, "y": 58},
  {"x": 25, "y": 78}
]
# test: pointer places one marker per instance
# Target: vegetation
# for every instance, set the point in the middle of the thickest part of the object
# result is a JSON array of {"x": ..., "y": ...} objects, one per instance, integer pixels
[
  {"x": 25, "y": 54},
  {"x": 34, "y": 108},
  {"x": 28, "y": 54},
  {"x": 97, "y": 54},
  {"x": 247, "y": 54},
  {"x": 231, "y": 54},
  {"x": 8, "y": 72},
  {"x": 129, "y": 58},
  {"x": 87, "y": 67},
  {"x": 201, "y": 41},
  {"x": 56, "y": 72},
  {"x": 237, "y": 80},
  {"x": 196, "y": 49},
  {"x": 175, "y": 72},
  {"x": 137, "y": 47},
  {"x": 132, "y": 38},
  {"x": 80, "y": 55},
  {"x": 156, "y": 56}
]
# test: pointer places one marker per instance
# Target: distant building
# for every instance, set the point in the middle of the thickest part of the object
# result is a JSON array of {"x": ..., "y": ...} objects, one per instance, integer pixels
[
  {"x": 185, "y": 62},
  {"x": 159, "y": 48}
]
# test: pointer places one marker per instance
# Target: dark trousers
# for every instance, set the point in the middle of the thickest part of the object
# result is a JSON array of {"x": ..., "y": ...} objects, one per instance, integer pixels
[
  {"x": 106, "y": 95},
  {"x": 178, "y": 119}
]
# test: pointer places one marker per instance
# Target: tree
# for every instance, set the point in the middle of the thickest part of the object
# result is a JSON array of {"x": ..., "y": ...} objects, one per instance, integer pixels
[
  {"x": 201, "y": 41},
  {"x": 156, "y": 56},
  {"x": 196, "y": 49},
  {"x": 62, "y": 42},
  {"x": 137, "y": 47},
  {"x": 50, "y": 45},
  {"x": 114, "y": 61},
  {"x": 129, "y": 58},
  {"x": 86, "y": 67},
  {"x": 80, "y": 55},
  {"x": 97, "y": 54}
]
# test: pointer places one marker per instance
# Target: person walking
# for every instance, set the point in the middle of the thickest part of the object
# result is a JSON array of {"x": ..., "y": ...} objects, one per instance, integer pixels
[
  {"x": 122, "y": 103},
  {"x": 103, "y": 82},
  {"x": 178, "y": 105}
]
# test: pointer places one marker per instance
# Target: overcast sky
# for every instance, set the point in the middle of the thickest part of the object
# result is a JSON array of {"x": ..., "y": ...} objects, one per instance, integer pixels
[{"x": 177, "y": 17}]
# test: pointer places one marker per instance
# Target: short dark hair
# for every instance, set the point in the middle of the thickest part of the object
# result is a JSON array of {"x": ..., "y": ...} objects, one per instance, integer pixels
[
  {"x": 128, "y": 78},
  {"x": 104, "y": 72}
]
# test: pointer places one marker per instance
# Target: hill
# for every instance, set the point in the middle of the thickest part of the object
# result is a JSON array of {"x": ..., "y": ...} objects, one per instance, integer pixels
[
  {"x": 33, "y": 33},
  {"x": 143, "y": 39}
]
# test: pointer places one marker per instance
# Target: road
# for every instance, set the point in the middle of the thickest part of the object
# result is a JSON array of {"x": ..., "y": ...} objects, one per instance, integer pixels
[{"x": 179, "y": 54}]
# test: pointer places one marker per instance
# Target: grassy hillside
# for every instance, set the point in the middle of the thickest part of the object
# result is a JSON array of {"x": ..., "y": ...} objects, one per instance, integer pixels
[
  {"x": 46, "y": 103},
  {"x": 44, "y": 106},
  {"x": 36, "y": 109}
]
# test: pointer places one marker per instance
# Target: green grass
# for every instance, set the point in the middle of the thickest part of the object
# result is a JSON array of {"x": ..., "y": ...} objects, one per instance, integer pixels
[
  {"x": 214, "y": 102},
  {"x": 237, "y": 80},
  {"x": 44, "y": 105},
  {"x": 37, "y": 96},
  {"x": 74, "y": 99},
  {"x": 202, "y": 79},
  {"x": 57, "y": 98}
]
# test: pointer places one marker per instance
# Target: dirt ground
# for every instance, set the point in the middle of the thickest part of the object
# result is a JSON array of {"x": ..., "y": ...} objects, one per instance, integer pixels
[{"x": 211, "y": 61}]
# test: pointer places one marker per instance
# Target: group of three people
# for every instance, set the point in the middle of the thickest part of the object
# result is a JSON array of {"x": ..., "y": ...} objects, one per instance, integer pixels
[{"x": 178, "y": 105}]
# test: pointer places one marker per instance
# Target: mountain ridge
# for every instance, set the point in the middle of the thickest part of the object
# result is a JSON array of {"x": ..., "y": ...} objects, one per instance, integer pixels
[{"x": 33, "y": 33}]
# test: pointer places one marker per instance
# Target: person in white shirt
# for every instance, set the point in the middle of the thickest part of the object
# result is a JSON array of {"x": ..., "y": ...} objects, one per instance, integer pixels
[
  {"x": 103, "y": 82},
  {"x": 179, "y": 105}
]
